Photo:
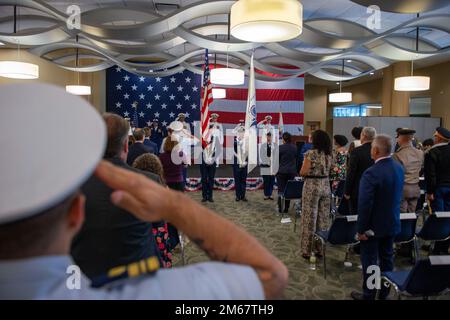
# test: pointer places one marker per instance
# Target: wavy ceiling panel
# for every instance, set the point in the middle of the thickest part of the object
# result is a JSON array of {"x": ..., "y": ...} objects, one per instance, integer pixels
[{"x": 150, "y": 39}]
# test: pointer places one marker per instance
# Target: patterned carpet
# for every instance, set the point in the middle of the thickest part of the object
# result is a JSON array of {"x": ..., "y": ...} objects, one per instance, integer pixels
[{"x": 259, "y": 218}]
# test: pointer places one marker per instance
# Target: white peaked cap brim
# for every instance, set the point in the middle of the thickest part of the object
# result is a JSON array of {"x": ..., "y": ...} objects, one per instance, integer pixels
[
  {"x": 176, "y": 126},
  {"x": 50, "y": 143}
]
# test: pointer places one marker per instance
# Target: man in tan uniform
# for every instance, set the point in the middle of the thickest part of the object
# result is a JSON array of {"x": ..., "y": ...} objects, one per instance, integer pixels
[{"x": 412, "y": 161}]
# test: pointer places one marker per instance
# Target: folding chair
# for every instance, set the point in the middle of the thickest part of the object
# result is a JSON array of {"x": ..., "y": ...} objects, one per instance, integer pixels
[
  {"x": 342, "y": 232},
  {"x": 435, "y": 228},
  {"x": 408, "y": 232},
  {"x": 293, "y": 191},
  {"x": 429, "y": 277}
]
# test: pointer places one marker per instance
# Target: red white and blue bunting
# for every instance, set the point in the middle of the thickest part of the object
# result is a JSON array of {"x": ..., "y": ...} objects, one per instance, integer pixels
[{"x": 223, "y": 184}]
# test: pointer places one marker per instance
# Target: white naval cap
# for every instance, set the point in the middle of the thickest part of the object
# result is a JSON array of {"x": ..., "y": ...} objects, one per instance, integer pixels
[
  {"x": 176, "y": 126},
  {"x": 50, "y": 143}
]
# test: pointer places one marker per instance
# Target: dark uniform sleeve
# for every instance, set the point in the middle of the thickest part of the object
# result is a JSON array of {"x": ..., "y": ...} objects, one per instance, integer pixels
[
  {"x": 351, "y": 172},
  {"x": 430, "y": 171}
]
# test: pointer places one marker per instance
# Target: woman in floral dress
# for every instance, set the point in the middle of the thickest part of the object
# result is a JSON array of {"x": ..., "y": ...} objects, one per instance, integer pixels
[{"x": 338, "y": 170}]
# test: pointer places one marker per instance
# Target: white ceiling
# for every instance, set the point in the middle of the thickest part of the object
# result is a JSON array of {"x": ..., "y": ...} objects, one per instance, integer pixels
[{"x": 313, "y": 9}]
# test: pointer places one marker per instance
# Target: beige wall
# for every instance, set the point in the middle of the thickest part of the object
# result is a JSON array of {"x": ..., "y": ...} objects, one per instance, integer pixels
[
  {"x": 439, "y": 91},
  {"x": 381, "y": 90},
  {"x": 315, "y": 106},
  {"x": 50, "y": 73}
]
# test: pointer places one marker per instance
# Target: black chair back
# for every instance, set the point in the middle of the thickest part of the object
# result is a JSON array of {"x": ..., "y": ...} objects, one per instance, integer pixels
[
  {"x": 408, "y": 228},
  {"x": 435, "y": 229},
  {"x": 343, "y": 230},
  {"x": 293, "y": 190},
  {"x": 426, "y": 279}
]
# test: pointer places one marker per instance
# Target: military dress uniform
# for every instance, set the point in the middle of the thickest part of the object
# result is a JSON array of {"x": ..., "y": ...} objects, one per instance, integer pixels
[
  {"x": 210, "y": 158},
  {"x": 437, "y": 179},
  {"x": 412, "y": 161},
  {"x": 240, "y": 165}
]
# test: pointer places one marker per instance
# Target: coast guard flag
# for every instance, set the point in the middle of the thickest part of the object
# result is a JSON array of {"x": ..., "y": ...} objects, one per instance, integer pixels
[{"x": 251, "y": 135}]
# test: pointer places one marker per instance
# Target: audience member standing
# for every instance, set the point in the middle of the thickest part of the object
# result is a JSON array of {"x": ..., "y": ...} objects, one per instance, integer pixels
[
  {"x": 339, "y": 168},
  {"x": 306, "y": 146},
  {"x": 316, "y": 194},
  {"x": 356, "y": 134},
  {"x": 287, "y": 169},
  {"x": 437, "y": 178},
  {"x": 380, "y": 193},
  {"x": 157, "y": 135},
  {"x": 411, "y": 159},
  {"x": 138, "y": 147},
  {"x": 359, "y": 161},
  {"x": 148, "y": 142},
  {"x": 172, "y": 162},
  {"x": 111, "y": 236},
  {"x": 268, "y": 155},
  {"x": 151, "y": 163}
]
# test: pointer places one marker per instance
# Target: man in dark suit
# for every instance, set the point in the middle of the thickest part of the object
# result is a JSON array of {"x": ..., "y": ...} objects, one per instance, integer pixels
[
  {"x": 287, "y": 168},
  {"x": 437, "y": 177},
  {"x": 380, "y": 194},
  {"x": 111, "y": 236},
  {"x": 148, "y": 142},
  {"x": 138, "y": 148},
  {"x": 360, "y": 160}
]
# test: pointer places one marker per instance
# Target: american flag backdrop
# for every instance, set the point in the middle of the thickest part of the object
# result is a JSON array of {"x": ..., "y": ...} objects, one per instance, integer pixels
[
  {"x": 164, "y": 98},
  {"x": 143, "y": 99}
]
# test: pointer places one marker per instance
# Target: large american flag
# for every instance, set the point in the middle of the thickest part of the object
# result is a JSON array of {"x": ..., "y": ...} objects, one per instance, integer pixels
[
  {"x": 148, "y": 98},
  {"x": 207, "y": 99},
  {"x": 164, "y": 98}
]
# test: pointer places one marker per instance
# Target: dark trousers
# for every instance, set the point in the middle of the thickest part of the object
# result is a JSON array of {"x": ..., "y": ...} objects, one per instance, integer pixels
[
  {"x": 184, "y": 175},
  {"x": 208, "y": 172},
  {"x": 282, "y": 180},
  {"x": 441, "y": 203},
  {"x": 376, "y": 252},
  {"x": 174, "y": 238},
  {"x": 240, "y": 181},
  {"x": 269, "y": 182},
  {"x": 178, "y": 186}
]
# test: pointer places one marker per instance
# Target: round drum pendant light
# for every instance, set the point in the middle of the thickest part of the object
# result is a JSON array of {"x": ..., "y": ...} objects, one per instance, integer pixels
[
  {"x": 412, "y": 83},
  {"x": 266, "y": 20},
  {"x": 18, "y": 69},
  {"x": 340, "y": 96},
  {"x": 219, "y": 93}
]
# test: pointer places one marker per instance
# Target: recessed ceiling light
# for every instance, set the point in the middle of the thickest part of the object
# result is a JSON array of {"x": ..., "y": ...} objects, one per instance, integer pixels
[
  {"x": 372, "y": 73},
  {"x": 349, "y": 61}
]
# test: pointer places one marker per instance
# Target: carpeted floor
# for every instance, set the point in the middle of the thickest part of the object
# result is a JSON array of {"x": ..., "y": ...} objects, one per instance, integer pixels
[{"x": 260, "y": 219}]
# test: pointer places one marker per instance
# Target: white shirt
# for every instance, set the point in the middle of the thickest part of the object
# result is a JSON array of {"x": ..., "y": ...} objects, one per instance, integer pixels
[{"x": 45, "y": 278}]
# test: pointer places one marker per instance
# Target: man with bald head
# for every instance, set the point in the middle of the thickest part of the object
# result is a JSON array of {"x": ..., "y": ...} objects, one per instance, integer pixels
[{"x": 380, "y": 193}]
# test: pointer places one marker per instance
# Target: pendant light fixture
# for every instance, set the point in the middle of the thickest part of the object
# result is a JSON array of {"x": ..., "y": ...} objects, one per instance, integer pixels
[
  {"x": 266, "y": 20},
  {"x": 218, "y": 93},
  {"x": 18, "y": 69},
  {"x": 413, "y": 83},
  {"x": 340, "y": 96},
  {"x": 228, "y": 76},
  {"x": 78, "y": 89}
]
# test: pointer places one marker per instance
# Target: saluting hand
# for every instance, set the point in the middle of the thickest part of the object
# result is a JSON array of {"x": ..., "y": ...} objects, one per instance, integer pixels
[{"x": 136, "y": 193}]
